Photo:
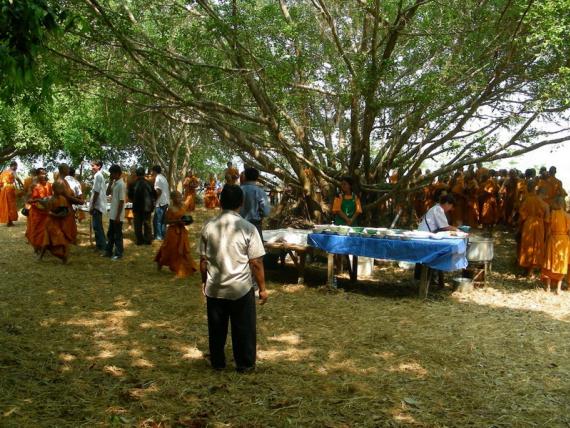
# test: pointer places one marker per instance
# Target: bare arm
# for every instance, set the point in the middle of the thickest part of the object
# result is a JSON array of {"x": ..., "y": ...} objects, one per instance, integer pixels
[
  {"x": 204, "y": 272},
  {"x": 256, "y": 266}
]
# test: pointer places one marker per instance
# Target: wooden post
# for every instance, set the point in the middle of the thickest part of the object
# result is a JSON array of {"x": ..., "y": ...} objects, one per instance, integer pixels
[
  {"x": 302, "y": 261},
  {"x": 424, "y": 282},
  {"x": 330, "y": 269},
  {"x": 354, "y": 270}
]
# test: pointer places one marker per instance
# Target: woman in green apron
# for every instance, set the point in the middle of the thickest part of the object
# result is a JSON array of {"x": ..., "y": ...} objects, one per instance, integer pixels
[{"x": 346, "y": 206}]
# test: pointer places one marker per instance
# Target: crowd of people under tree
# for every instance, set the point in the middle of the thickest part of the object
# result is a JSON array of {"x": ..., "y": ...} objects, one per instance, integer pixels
[
  {"x": 530, "y": 205},
  {"x": 231, "y": 243}
]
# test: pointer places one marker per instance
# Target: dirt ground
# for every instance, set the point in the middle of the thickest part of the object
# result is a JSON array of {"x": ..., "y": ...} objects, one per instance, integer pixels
[{"x": 103, "y": 343}]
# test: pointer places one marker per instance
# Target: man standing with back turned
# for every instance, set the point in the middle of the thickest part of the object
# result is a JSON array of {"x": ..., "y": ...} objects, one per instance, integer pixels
[
  {"x": 255, "y": 202},
  {"x": 231, "y": 252}
]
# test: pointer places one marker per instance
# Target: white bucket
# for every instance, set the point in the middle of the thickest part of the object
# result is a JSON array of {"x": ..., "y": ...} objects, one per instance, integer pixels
[{"x": 365, "y": 266}]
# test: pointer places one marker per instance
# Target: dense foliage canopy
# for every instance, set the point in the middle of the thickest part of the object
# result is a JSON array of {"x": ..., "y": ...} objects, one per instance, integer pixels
[{"x": 312, "y": 90}]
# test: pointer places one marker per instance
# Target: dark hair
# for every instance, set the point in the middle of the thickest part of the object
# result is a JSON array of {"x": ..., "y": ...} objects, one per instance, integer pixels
[
  {"x": 229, "y": 164},
  {"x": 62, "y": 167},
  {"x": 71, "y": 171},
  {"x": 231, "y": 197},
  {"x": 140, "y": 171},
  {"x": 13, "y": 163},
  {"x": 447, "y": 198},
  {"x": 156, "y": 169},
  {"x": 115, "y": 169},
  {"x": 347, "y": 179},
  {"x": 251, "y": 174},
  {"x": 98, "y": 163}
]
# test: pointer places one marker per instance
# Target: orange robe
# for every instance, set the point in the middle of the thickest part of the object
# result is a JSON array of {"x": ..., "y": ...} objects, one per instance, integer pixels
[
  {"x": 55, "y": 237},
  {"x": 8, "y": 206},
  {"x": 37, "y": 218},
  {"x": 69, "y": 224},
  {"x": 471, "y": 215},
  {"x": 543, "y": 186},
  {"x": 532, "y": 215},
  {"x": 231, "y": 175},
  {"x": 488, "y": 202},
  {"x": 175, "y": 249},
  {"x": 458, "y": 212},
  {"x": 190, "y": 185},
  {"x": 521, "y": 193},
  {"x": 556, "y": 259},
  {"x": 554, "y": 189},
  {"x": 509, "y": 199},
  {"x": 421, "y": 200},
  {"x": 210, "y": 197}
]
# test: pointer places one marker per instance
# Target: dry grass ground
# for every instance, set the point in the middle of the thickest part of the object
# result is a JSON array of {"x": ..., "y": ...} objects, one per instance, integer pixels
[{"x": 101, "y": 343}]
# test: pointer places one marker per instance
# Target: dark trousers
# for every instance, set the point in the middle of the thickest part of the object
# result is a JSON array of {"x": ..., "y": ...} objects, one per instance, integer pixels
[
  {"x": 143, "y": 231},
  {"x": 241, "y": 314},
  {"x": 115, "y": 238},
  {"x": 158, "y": 222},
  {"x": 98, "y": 230}
]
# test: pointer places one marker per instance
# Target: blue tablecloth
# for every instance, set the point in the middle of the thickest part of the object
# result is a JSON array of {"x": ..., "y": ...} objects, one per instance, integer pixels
[{"x": 444, "y": 254}]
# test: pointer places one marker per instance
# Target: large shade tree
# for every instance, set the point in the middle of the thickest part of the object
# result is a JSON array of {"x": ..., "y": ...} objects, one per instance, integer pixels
[{"x": 311, "y": 90}]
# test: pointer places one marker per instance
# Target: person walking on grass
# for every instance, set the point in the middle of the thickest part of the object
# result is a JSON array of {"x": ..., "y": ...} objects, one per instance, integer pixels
[
  {"x": 162, "y": 200},
  {"x": 231, "y": 253}
]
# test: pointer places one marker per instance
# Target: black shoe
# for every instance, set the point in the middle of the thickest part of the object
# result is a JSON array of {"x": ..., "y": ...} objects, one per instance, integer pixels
[{"x": 245, "y": 369}]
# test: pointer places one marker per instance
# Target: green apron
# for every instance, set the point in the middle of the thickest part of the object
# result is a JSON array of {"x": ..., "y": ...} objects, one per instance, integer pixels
[{"x": 348, "y": 207}]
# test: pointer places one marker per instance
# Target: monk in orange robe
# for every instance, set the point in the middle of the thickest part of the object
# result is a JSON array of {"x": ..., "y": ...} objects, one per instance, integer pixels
[
  {"x": 532, "y": 213},
  {"x": 488, "y": 201},
  {"x": 210, "y": 195},
  {"x": 8, "y": 205},
  {"x": 457, "y": 187},
  {"x": 420, "y": 196},
  {"x": 175, "y": 249},
  {"x": 189, "y": 186},
  {"x": 55, "y": 238},
  {"x": 509, "y": 195},
  {"x": 69, "y": 224},
  {"x": 480, "y": 172},
  {"x": 231, "y": 174},
  {"x": 555, "y": 266},
  {"x": 38, "y": 214},
  {"x": 471, "y": 191},
  {"x": 554, "y": 188}
]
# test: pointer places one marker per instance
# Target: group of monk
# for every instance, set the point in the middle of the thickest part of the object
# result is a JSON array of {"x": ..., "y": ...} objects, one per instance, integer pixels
[
  {"x": 485, "y": 197},
  {"x": 52, "y": 211},
  {"x": 530, "y": 205},
  {"x": 49, "y": 208}
]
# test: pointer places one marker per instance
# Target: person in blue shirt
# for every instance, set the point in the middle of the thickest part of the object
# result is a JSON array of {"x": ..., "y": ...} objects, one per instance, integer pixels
[{"x": 255, "y": 202}]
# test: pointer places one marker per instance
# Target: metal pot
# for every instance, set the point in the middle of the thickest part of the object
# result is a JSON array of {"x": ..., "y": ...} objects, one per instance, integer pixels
[{"x": 479, "y": 249}]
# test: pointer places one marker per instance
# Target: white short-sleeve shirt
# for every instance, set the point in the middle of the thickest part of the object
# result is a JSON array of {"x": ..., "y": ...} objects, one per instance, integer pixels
[
  {"x": 161, "y": 183},
  {"x": 118, "y": 194},
  {"x": 74, "y": 184},
  {"x": 99, "y": 186},
  {"x": 229, "y": 242},
  {"x": 434, "y": 220}
]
